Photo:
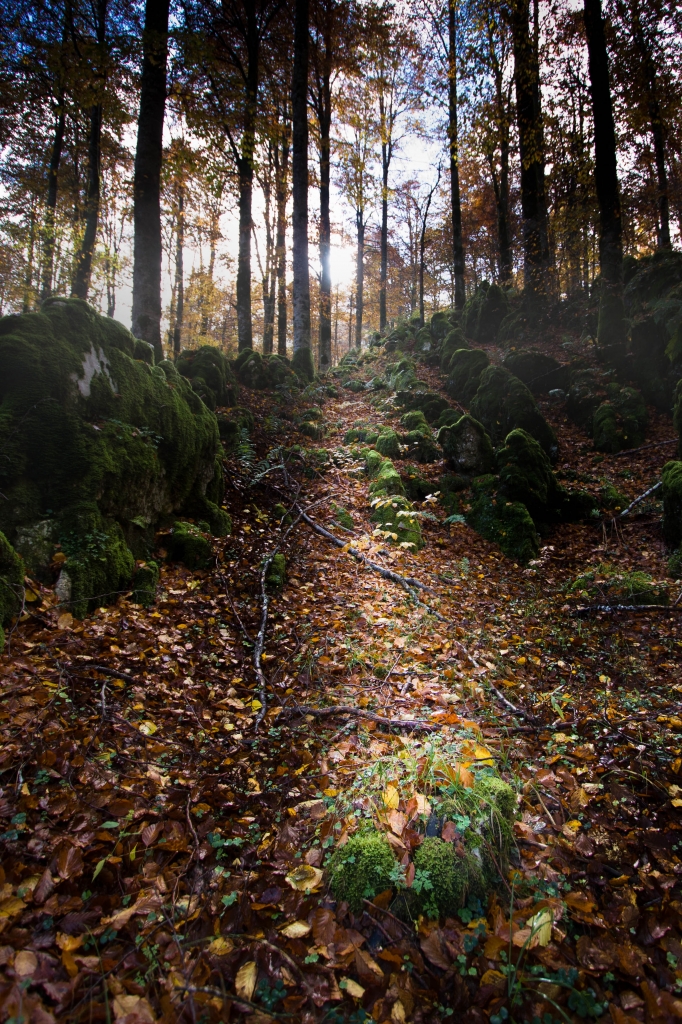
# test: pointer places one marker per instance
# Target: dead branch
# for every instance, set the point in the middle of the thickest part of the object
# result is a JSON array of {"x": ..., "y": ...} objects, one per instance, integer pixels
[
  {"x": 640, "y": 498},
  {"x": 586, "y": 609},
  {"x": 645, "y": 447},
  {"x": 512, "y": 707},
  {"x": 347, "y": 710},
  {"x": 114, "y": 673}
]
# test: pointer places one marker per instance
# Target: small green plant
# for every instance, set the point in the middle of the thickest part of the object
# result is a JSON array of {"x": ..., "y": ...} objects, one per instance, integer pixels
[
  {"x": 607, "y": 583},
  {"x": 361, "y": 869}
]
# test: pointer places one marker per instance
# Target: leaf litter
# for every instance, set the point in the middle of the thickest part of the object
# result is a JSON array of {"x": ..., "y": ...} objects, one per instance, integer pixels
[{"x": 167, "y": 821}]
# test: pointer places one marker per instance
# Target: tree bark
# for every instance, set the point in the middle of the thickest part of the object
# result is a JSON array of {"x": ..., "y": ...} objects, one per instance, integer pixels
[
  {"x": 146, "y": 312},
  {"x": 51, "y": 202},
  {"x": 179, "y": 274},
  {"x": 324, "y": 120},
  {"x": 531, "y": 145},
  {"x": 359, "y": 276},
  {"x": 81, "y": 283},
  {"x": 245, "y": 172},
  {"x": 612, "y": 327},
  {"x": 281, "y": 174},
  {"x": 456, "y": 206},
  {"x": 299, "y": 110}
]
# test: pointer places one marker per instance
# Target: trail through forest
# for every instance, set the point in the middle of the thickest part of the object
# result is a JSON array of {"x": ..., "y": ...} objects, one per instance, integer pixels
[{"x": 174, "y": 777}]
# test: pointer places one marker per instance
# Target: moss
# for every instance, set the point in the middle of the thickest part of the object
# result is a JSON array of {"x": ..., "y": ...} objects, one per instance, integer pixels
[
  {"x": 145, "y": 582},
  {"x": 503, "y": 522},
  {"x": 448, "y": 417},
  {"x": 302, "y": 363},
  {"x": 251, "y": 371},
  {"x": 416, "y": 486},
  {"x": 421, "y": 446},
  {"x": 586, "y": 393},
  {"x": 361, "y": 869},
  {"x": 439, "y": 325},
  {"x": 281, "y": 512},
  {"x": 277, "y": 572},
  {"x": 373, "y": 462},
  {"x": 187, "y": 544},
  {"x": 466, "y": 367},
  {"x": 397, "y": 520},
  {"x": 342, "y": 516},
  {"x": 316, "y": 431},
  {"x": 611, "y": 498},
  {"x": 11, "y": 585},
  {"x": 366, "y": 434},
  {"x": 466, "y": 446},
  {"x": 143, "y": 351},
  {"x": 217, "y": 519},
  {"x": 675, "y": 564},
  {"x": 413, "y": 420},
  {"x": 484, "y": 312},
  {"x": 503, "y": 402},
  {"x": 621, "y": 422},
  {"x": 279, "y": 371},
  {"x": 672, "y": 503},
  {"x": 445, "y": 877},
  {"x": 232, "y": 426},
  {"x": 388, "y": 444},
  {"x": 608, "y": 584},
  {"x": 386, "y": 481},
  {"x": 539, "y": 372},
  {"x": 453, "y": 342},
  {"x": 210, "y": 373},
  {"x": 420, "y": 398},
  {"x": 526, "y": 476},
  {"x": 99, "y": 565}
]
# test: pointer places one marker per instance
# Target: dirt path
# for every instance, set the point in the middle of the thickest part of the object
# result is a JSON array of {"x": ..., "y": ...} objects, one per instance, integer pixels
[{"x": 162, "y": 850}]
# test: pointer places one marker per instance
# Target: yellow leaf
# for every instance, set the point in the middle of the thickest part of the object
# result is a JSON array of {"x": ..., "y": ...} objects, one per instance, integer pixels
[
  {"x": 65, "y": 621},
  {"x": 330, "y": 792},
  {"x": 245, "y": 982},
  {"x": 11, "y": 906},
  {"x": 352, "y": 988},
  {"x": 677, "y": 802},
  {"x": 297, "y": 930},
  {"x": 540, "y": 925},
  {"x": 304, "y": 878},
  {"x": 221, "y": 946},
  {"x": 561, "y": 737},
  {"x": 391, "y": 797},
  {"x": 256, "y": 705},
  {"x": 483, "y": 755},
  {"x": 147, "y": 728},
  {"x": 25, "y": 963}
]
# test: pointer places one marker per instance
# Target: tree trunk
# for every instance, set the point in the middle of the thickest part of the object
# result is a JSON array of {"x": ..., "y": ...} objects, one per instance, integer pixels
[
  {"x": 146, "y": 312},
  {"x": 612, "y": 327},
  {"x": 245, "y": 172},
  {"x": 457, "y": 242},
  {"x": 299, "y": 110},
  {"x": 281, "y": 174},
  {"x": 359, "y": 277},
  {"x": 51, "y": 203},
  {"x": 81, "y": 283},
  {"x": 325, "y": 117},
  {"x": 531, "y": 145},
  {"x": 179, "y": 274}
]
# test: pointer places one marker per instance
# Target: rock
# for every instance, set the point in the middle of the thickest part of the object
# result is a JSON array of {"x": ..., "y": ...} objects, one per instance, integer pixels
[
  {"x": 526, "y": 476},
  {"x": 439, "y": 325},
  {"x": 672, "y": 503},
  {"x": 387, "y": 443},
  {"x": 506, "y": 523},
  {"x": 36, "y": 545},
  {"x": 448, "y": 417},
  {"x": 466, "y": 367},
  {"x": 210, "y": 374},
  {"x": 453, "y": 342},
  {"x": 503, "y": 402},
  {"x": 277, "y": 572},
  {"x": 621, "y": 421},
  {"x": 188, "y": 544},
  {"x": 145, "y": 582},
  {"x": 466, "y": 446},
  {"x": 396, "y": 520},
  {"x": 11, "y": 585},
  {"x": 416, "y": 486},
  {"x": 386, "y": 481},
  {"x": 250, "y": 370},
  {"x": 421, "y": 445},
  {"x": 366, "y": 434},
  {"x": 539, "y": 372},
  {"x": 413, "y": 420},
  {"x": 484, "y": 312}
]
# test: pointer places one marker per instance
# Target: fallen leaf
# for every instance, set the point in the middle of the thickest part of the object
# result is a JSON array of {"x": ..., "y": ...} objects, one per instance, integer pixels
[
  {"x": 297, "y": 930},
  {"x": 25, "y": 963},
  {"x": 391, "y": 797},
  {"x": 245, "y": 981},
  {"x": 352, "y": 988},
  {"x": 221, "y": 946},
  {"x": 304, "y": 878}
]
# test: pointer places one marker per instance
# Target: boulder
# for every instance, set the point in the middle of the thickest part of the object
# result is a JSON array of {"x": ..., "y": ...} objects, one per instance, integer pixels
[
  {"x": 388, "y": 443},
  {"x": 439, "y": 325},
  {"x": 145, "y": 582},
  {"x": 484, "y": 312},
  {"x": 503, "y": 402},
  {"x": 431, "y": 404},
  {"x": 421, "y": 445},
  {"x": 210, "y": 374},
  {"x": 397, "y": 521},
  {"x": 539, "y": 372},
  {"x": 413, "y": 420},
  {"x": 621, "y": 421},
  {"x": 251, "y": 371},
  {"x": 453, "y": 341},
  {"x": 386, "y": 481},
  {"x": 188, "y": 543},
  {"x": 672, "y": 503},
  {"x": 448, "y": 417},
  {"x": 416, "y": 486},
  {"x": 466, "y": 446},
  {"x": 11, "y": 586},
  {"x": 503, "y": 522},
  {"x": 466, "y": 367}
]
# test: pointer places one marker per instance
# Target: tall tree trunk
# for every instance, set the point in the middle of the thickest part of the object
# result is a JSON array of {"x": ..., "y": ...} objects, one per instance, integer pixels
[
  {"x": 457, "y": 241},
  {"x": 612, "y": 327},
  {"x": 51, "y": 203},
  {"x": 383, "y": 259},
  {"x": 81, "y": 283},
  {"x": 245, "y": 172},
  {"x": 28, "y": 277},
  {"x": 213, "y": 236},
  {"x": 531, "y": 145},
  {"x": 147, "y": 253},
  {"x": 325, "y": 341},
  {"x": 299, "y": 111},
  {"x": 359, "y": 276},
  {"x": 179, "y": 274},
  {"x": 657, "y": 127},
  {"x": 281, "y": 175}
]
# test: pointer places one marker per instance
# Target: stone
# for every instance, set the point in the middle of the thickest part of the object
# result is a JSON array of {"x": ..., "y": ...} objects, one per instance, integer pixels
[
  {"x": 467, "y": 447},
  {"x": 466, "y": 367},
  {"x": 503, "y": 402}
]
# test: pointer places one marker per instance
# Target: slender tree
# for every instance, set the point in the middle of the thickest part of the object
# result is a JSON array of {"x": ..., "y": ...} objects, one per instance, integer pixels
[
  {"x": 146, "y": 312},
  {"x": 281, "y": 160},
  {"x": 299, "y": 112}
]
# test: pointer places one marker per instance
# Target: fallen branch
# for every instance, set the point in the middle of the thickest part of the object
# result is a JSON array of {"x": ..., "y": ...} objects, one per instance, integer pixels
[
  {"x": 512, "y": 707},
  {"x": 114, "y": 673},
  {"x": 348, "y": 709},
  {"x": 585, "y": 609},
  {"x": 645, "y": 447},
  {"x": 640, "y": 498}
]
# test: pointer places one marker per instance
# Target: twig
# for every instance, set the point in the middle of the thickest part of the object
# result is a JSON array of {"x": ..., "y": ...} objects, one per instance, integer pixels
[
  {"x": 348, "y": 709},
  {"x": 585, "y": 609},
  {"x": 114, "y": 673},
  {"x": 645, "y": 447},
  {"x": 640, "y": 498},
  {"x": 104, "y": 700},
  {"x": 236, "y": 613},
  {"x": 382, "y": 910},
  {"x": 512, "y": 707},
  {"x": 190, "y": 824}
]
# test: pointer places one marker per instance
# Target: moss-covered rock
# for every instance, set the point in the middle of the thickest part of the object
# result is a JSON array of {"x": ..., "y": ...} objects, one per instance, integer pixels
[
  {"x": 466, "y": 446},
  {"x": 99, "y": 565},
  {"x": 386, "y": 481},
  {"x": 211, "y": 375},
  {"x": 539, "y": 372},
  {"x": 11, "y": 585},
  {"x": 396, "y": 520},
  {"x": 361, "y": 869},
  {"x": 373, "y": 462},
  {"x": 145, "y": 582},
  {"x": 276, "y": 575},
  {"x": 280, "y": 371},
  {"x": 621, "y": 421},
  {"x": 466, "y": 367},
  {"x": 417, "y": 487},
  {"x": 608, "y": 584},
  {"x": 103, "y": 432},
  {"x": 446, "y": 878},
  {"x": 315, "y": 431},
  {"x": 453, "y": 341},
  {"x": 234, "y": 425},
  {"x": 413, "y": 420},
  {"x": 677, "y": 411},
  {"x": 506, "y": 523},
  {"x": 526, "y": 476},
  {"x": 342, "y": 516},
  {"x": 361, "y": 433},
  {"x": 250, "y": 370},
  {"x": 448, "y": 417},
  {"x": 484, "y": 312},
  {"x": 188, "y": 544},
  {"x": 672, "y": 503},
  {"x": 420, "y": 445},
  {"x": 503, "y": 402},
  {"x": 388, "y": 443},
  {"x": 302, "y": 363},
  {"x": 439, "y": 325}
]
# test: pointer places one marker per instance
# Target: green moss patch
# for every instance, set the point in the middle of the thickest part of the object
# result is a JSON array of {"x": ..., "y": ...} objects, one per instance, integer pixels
[
  {"x": 211, "y": 375},
  {"x": 388, "y": 443},
  {"x": 503, "y": 522},
  {"x": 608, "y": 584},
  {"x": 361, "y": 869},
  {"x": 466, "y": 367},
  {"x": 145, "y": 582},
  {"x": 397, "y": 521},
  {"x": 416, "y": 486},
  {"x": 277, "y": 572},
  {"x": 503, "y": 402},
  {"x": 188, "y": 544},
  {"x": 387, "y": 481},
  {"x": 342, "y": 516},
  {"x": 302, "y": 363},
  {"x": 621, "y": 421},
  {"x": 672, "y": 503}
]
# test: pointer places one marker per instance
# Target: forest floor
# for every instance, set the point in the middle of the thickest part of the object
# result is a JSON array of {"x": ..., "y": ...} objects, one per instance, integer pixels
[{"x": 154, "y": 826}]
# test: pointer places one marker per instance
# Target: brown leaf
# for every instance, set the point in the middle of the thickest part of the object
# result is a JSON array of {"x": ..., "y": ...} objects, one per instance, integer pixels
[
  {"x": 150, "y": 833},
  {"x": 69, "y": 862},
  {"x": 120, "y": 807},
  {"x": 44, "y": 888},
  {"x": 449, "y": 833},
  {"x": 434, "y": 950},
  {"x": 324, "y": 926},
  {"x": 596, "y": 955}
]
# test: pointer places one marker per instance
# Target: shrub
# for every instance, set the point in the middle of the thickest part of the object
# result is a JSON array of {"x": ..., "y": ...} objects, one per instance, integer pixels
[
  {"x": 396, "y": 520},
  {"x": 361, "y": 869}
]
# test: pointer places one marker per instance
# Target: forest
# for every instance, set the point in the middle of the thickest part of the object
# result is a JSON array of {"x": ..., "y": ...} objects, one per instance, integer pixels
[{"x": 340, "y": 511}]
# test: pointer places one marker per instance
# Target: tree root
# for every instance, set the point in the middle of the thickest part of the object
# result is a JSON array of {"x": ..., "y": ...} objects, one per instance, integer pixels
[{"x": 348, "y": 709}]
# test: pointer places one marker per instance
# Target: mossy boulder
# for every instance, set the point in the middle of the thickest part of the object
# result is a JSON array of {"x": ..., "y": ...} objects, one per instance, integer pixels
[
  {"x": 423, "y": 341},
  {"x": 448, "y": 417},
  {"x": 401, "y": 375},
  {"x": 342, "y": 516},
  {"x": 453, "y": 342},
  {"x": 87, "y": 428},
  {"x": 677, "y": 411},
  {"x": 276, "y": 575},
  {"x": 586, "y": 393},
  {"x": 386, "y": 481},
  {"x": 396, "y": 520},
  {"x": 145, "y": 582},
  {"x": 421, "y": 446},
  {"x": 373, "y": 462},
  {"x": 367, "y": 434},
  {"x": 503, "y": 522},
  {"x": 388, "y": 443},
  {"x": 503, "y": 402},
  {"x": 484, "y": 312},
  {"x": 188, "y": 543},
  {"x": 302, "y": 363},
  {"x": 446, "y": 879},
  {"x": 672, "y": 503},
  {"x": 439, "y": 325},
  {"x": 526, "y": 476},
  {"x": 467, "y": 447},
  {"x": 608, "y": 584},
  {"x": 620, "y": 422},
  {"x": 538, "y": 371},
  {"x": 313, "y": 430},
  {"x": 210, "y": 373},
  {"x": 11, "y": 585},
  {"x": 361, "y": 869},
  {"x": 466, "y": 367},
  {"x": 413, "y": 420},
  {"x": 417, "y": 487},
  {"x": 280, "y": 371},
  {"x": 250, "y": 370},
  {"x": 652, "y": 352}
]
